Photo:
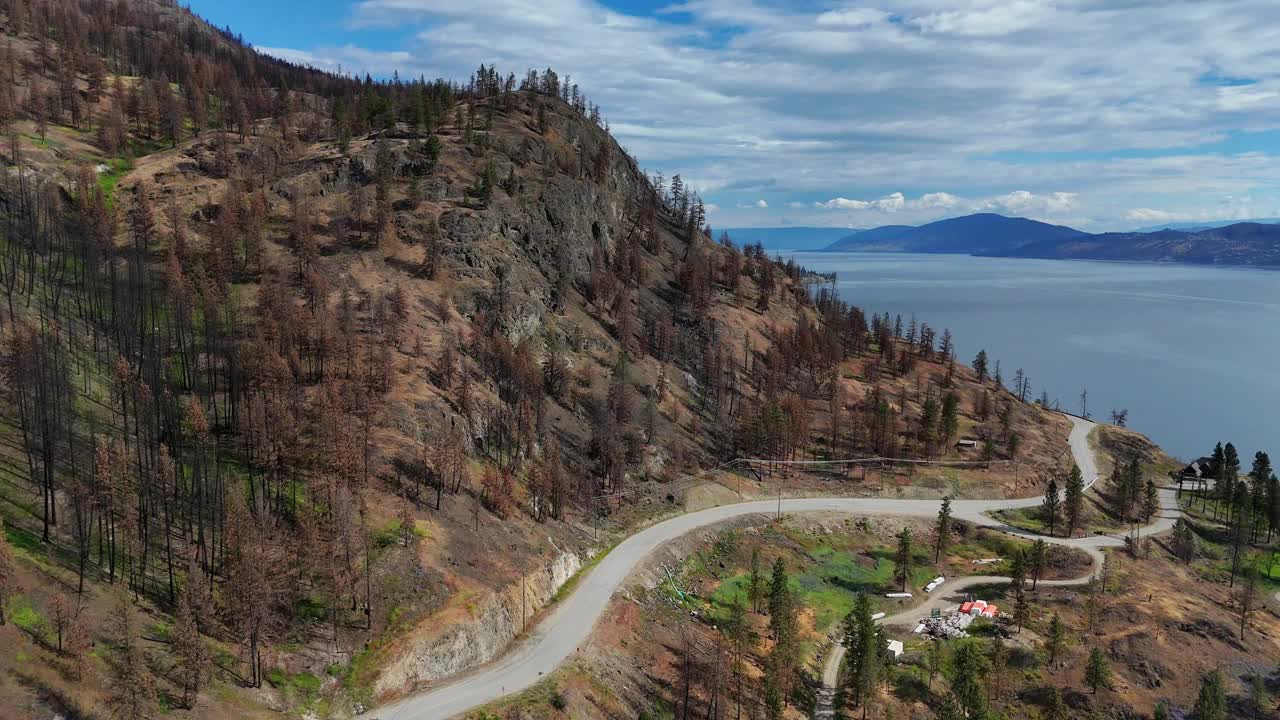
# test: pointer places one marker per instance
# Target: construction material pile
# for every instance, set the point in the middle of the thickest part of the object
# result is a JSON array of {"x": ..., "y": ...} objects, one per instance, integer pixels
[
  {"x": 979, "y": 607},
  {"x": 951, "y": 625}
]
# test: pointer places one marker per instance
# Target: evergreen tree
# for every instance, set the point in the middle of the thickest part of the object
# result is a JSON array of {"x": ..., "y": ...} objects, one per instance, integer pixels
[
  {"x": 1021, "y": 609},
  {"x": 1211, "y": 703},
  {"x": 966, "y": 669},
  {"x": 980, "y": 365},
  {"x": 950, "y": 419},
  {"x": 1074, "y": 500},
  {"x": 778, "y": 592},
  {"x": 1049, "y": 507},
  {"x": 1036, "y": 559},
  {"x": 1184, "y": 540},
  {"x": 863, "y": 641},
  {"x": 943, "y": 529},
  {"x": 1056, "y": 638},
  {"x": 755, "y": 589},
  {"x": 1056, "y": 708},
  {"x": 1018, "y": 569},
  {"x": 902, "y": 560},
  {"x": 1097, "y": 674}
]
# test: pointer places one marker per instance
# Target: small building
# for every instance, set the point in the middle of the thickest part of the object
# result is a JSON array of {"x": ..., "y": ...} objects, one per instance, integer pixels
[
  {"x": 895, "y": 649},
  {"x": 966, "y": 444},
  {"x": 1200, "y": 469}
]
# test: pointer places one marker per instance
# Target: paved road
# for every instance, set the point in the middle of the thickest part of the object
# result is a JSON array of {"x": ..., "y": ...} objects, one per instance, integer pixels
[
  {"x": 569, "y": 625},
  {"x": 952, "y": 592}
]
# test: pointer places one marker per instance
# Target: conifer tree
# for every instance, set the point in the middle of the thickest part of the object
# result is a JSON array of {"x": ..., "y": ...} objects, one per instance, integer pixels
[
  {"x": 1057, "y": 636},
  {"x": 1097, "y": 674},
  {"x": 1036, "y": 559},
  {"x": 1211, "y": 703},
  {"x": 966, "y": 688},
  {"x": 942, "y": 530},
  {"x": 1049, "y": 507},
  {"x": 1074, "y": 499},
  {"x": 863, "y": 641},
  {"x": 902, "y": 558}
]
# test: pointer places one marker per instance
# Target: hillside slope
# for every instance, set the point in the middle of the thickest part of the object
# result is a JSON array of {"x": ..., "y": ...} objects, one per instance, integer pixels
[
  {"x": 338, "y": 382},
  {"x": 1256, "y": 244}
]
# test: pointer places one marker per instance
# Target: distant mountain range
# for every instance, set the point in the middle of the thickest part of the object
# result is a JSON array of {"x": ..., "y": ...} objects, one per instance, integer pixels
[
  {"x": 1203, "y": 225},
  {"x": 1247, "y": 243},
  {"x": 1242, "y": 243},
  {"x": 981, "y": 234}
]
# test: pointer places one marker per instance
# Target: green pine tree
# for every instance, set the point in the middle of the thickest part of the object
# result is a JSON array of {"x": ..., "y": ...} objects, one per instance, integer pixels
[
  {"x": 1211, "y": 704},
  {"x": 943, "y": 529},
  {"x": 1097, "y": 674},
  {"x": 1073, "y": 502},
  {"x": 902, "y": 559},
  {"x": 966, "y": 669},
  {"x": 1056, "y": 639}
]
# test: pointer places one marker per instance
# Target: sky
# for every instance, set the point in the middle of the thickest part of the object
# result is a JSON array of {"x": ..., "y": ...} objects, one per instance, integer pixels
[{"x": 1099, "y": 114}]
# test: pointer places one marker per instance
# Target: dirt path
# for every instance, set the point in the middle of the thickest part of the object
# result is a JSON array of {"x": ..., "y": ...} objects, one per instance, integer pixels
[{"x": 569, "y": 625}]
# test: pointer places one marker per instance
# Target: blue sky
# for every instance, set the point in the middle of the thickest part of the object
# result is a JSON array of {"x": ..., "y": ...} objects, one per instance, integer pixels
[{"x": 1092, "y": 113}]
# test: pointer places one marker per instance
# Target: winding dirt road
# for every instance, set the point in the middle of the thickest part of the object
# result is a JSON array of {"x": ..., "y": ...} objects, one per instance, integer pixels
[
  {"x": 952, "y": 592},
  {"x": 568, "y": 626}
]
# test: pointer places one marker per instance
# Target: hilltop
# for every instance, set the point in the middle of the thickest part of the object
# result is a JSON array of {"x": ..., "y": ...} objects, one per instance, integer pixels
[{"x": 980, "y": 234}]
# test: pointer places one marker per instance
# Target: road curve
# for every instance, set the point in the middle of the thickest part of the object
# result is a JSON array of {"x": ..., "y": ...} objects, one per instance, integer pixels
[
  {"x": 570, "y": 623},
  {"x": 953, "y": 591}
]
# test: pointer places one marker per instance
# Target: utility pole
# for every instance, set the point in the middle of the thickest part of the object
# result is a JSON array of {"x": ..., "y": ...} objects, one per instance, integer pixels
[{"x": 779, "y": 503}]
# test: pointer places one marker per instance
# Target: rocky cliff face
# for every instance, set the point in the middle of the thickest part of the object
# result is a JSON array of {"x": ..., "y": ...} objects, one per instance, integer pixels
[{"x": 481, "y": 636}]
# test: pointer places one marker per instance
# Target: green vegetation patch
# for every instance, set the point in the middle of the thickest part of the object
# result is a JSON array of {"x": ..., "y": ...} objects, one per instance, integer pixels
[
  {"x": 108, "y": 179},
  {"x": 27, "y": 619},
  {"x": 300, "y": 689}
]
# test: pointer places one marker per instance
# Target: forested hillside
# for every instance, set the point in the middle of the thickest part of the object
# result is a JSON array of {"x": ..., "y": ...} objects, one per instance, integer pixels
[{"x": 314, "y": 377}]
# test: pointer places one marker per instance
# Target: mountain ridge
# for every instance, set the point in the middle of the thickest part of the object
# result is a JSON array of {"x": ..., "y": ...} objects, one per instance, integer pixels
[
  {"x": 980, "y": 233},
  {"x": 1247, "y": 243}
]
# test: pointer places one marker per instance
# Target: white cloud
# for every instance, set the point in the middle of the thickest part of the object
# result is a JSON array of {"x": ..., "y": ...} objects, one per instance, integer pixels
[
  {"x": 852, "y": 17},
  {"x": 1023, "y": 202},
  {"x": 892, "y": 202},
  {"x": 999, "y": 19},
  {"x": 761, "y": 204},
  {"x": 938, "y": 200},
  {"x": 851, "y": 102}
]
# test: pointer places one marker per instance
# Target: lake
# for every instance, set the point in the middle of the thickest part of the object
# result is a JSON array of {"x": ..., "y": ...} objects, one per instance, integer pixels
[{"x": 1190, "y": 351}]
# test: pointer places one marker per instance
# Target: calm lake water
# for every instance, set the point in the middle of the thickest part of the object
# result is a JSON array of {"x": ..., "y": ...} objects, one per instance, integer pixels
[{"x": 1191, "y": 352}]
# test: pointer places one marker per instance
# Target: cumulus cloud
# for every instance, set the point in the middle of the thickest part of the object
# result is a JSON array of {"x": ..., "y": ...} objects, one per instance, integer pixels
[
  {"x": 852, "y": 17},
  {"x": 1023, "y": 202},
  {"x": 999, "y": 19},
  {"x": 989, "y": 98},
  {"x": 892, "y": 202},
  {"x": 761, "y": 204}
]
